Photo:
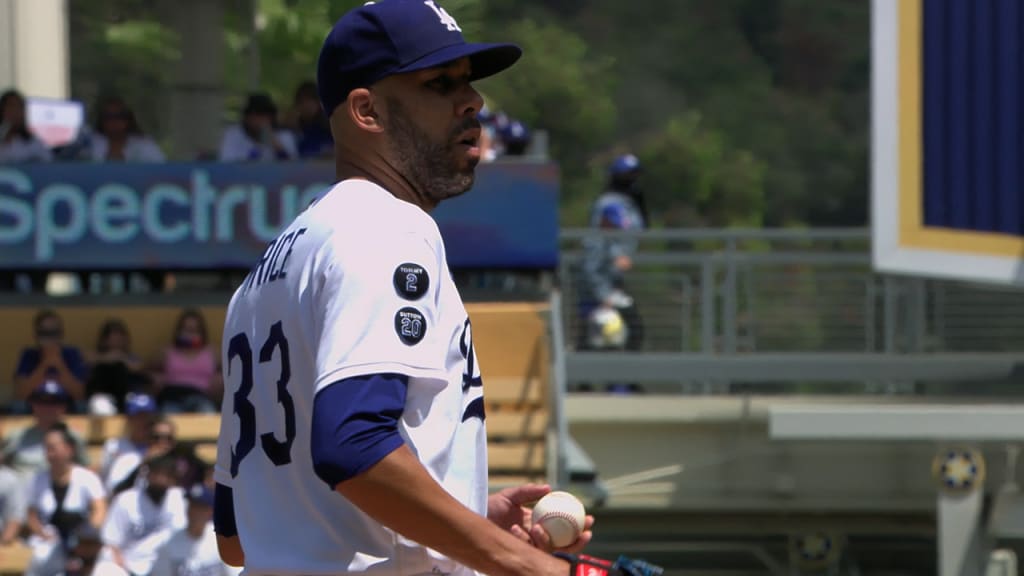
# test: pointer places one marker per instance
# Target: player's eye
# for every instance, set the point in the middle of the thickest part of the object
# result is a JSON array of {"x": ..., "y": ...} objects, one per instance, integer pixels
[{"x": 442, "y": 84}]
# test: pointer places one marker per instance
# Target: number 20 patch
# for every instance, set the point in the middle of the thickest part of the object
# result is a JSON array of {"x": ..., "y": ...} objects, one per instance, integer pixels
[{"x": 411, "y": 326}]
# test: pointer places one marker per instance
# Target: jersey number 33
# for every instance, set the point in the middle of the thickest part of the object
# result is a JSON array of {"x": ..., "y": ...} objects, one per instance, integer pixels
[{"x": 278, "y": 451}]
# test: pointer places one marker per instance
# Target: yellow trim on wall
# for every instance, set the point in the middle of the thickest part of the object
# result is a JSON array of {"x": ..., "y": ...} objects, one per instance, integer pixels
[{"x": 913, "y": 232}]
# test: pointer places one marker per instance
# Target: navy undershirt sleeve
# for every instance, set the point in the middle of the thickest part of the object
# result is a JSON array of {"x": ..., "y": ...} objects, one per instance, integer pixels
[
  {"x": 224, "y": 511},
  {"x": 355, "y": 425}
]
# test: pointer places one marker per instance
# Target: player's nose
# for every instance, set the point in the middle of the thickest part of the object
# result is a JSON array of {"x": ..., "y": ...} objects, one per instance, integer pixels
[{"x": 470, "y": 103}]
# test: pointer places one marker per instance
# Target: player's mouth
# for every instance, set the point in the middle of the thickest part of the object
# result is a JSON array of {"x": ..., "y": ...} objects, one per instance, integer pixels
[{"x": 470, "y": 143}]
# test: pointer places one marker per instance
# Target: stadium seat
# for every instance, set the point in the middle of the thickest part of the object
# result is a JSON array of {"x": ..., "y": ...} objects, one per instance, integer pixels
[
  {"x": 14, "y": 559},
  {"x": 511, "y": 342}
]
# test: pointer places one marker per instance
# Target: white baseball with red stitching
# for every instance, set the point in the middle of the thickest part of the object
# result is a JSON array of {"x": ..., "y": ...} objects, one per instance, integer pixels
[{"x": 562, "y": 515}]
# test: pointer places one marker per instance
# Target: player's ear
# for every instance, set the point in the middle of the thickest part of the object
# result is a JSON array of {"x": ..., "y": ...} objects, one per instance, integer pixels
[{"x": 362, "y": 110}]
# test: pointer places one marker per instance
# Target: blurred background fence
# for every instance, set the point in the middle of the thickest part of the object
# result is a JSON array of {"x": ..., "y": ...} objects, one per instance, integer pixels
[{"x": 753, "y": 293}]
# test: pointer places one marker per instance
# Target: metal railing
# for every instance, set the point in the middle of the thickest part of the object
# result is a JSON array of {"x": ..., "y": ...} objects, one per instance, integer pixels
[{"x": 795, "y": 295}]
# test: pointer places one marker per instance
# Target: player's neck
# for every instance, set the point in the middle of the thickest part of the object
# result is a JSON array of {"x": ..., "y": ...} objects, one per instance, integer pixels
[{"x": 385, "y": 176}]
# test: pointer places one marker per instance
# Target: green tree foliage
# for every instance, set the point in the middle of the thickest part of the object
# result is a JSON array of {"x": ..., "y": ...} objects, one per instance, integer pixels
[
  {"x": 745, "y": 112},
  {"x": 561, "y": 86},
  {"x": 695, "y": 178},
  {"x": 121, "y": 48}
]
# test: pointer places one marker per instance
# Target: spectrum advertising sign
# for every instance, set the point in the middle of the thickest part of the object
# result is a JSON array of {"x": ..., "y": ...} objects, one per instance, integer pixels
[{"x": 212, "y": 216}]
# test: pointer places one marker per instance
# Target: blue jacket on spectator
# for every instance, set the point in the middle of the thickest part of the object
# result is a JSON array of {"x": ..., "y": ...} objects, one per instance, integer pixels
[{"x": 30, "y": 358}]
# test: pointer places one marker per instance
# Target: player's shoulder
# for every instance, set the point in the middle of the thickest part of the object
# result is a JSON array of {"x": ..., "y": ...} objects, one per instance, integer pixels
[
  {"x": 356, "y": 215},
  {"x": 361, "y": 207}
]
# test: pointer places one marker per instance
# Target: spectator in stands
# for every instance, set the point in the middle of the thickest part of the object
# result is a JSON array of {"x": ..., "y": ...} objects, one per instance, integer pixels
[
  {"x": 12, "y": 505},
  {"x": 187, "y": 376},
  {"x": 193, "y": 549},
  {"x": 25, "y": 449},
  {"x": 121, "y": 456},
  {"x": 190, "y": 469},
  {"x": 50, "y": 359},
  {"x": 61, "y": 498},
  {"x": 115, "y": 372},
  {"x": 17, "y": 143},
  {"x": 312, "y": 129},
  {"x": 257, "y": 138},
  {"x": 604, "y": 301},
  {"x": 143, "y": 519},
  {"x": 515, "y": 138},
  {"x": 118, "y": 137},
  {"x": 84, "y": 548}
]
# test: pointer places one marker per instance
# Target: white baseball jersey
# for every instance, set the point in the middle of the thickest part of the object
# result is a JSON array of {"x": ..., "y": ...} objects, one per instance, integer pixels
[
  {"x": 84, "y": 488},
  {"x": 120, "y": 458},
  {"x": 139, "y": 528},
  {"x": 357, "y": 285},
  {"x": 186, "y": 556}
]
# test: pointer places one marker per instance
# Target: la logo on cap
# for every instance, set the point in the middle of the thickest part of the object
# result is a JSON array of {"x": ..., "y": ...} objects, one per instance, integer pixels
[{"x": 445, "y": 17}]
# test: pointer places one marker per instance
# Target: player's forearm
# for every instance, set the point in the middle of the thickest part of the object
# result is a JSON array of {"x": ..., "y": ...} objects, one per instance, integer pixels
[{"x": 400, "y": 494}]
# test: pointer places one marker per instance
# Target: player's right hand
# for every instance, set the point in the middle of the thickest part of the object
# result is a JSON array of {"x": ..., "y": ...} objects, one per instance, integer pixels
[
  {"x": 539, "y": 538},
  {"x": 583, "y": 565}
]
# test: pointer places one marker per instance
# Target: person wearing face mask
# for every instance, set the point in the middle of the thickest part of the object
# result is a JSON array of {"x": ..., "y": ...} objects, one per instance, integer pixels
[
  {"x": 115, "y": 371},
  {"x": 130, "y": 470},
  {"x": 50, "y": 359},
  {"x": 187, "y": 376},
  {"x": 258, "y": 138},
  {"x": 143, "y": 519}
]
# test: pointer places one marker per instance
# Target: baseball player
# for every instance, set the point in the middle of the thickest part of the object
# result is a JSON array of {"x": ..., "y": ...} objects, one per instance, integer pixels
[{"x": 353, "y": 436}]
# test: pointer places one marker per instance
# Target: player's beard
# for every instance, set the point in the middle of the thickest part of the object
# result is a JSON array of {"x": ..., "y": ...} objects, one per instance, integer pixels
[{"x": 434, "y": 168}]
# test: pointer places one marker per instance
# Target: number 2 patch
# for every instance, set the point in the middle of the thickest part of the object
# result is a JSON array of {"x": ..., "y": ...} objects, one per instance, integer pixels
[
  {"x": 411, "y": 281},
  {"x": 410, "y": 325}
]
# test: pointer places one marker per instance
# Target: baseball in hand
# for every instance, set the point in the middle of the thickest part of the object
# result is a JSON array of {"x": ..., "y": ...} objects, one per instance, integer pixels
[{"x": 562, "y": 516}]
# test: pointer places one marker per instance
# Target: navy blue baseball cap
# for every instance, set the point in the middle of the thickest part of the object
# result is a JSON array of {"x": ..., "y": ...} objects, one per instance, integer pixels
[
  {"x": 201, "y": 494},
  {"x": 49, "y": 392},
  {"x": 139, "y": 404},
  {"x": 388, "y": 37},
  {"x": 625, "y": 164}
]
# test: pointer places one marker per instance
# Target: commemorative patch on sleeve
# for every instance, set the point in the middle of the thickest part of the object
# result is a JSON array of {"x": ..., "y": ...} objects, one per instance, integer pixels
[
  {"x": 411, "y": 281},
  {"x": 411, "y": 326}
]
